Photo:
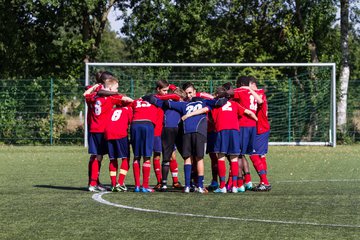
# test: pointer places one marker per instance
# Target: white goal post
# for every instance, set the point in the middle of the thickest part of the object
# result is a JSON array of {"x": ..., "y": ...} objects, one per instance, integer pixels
[{"x": 331, "y": 141}]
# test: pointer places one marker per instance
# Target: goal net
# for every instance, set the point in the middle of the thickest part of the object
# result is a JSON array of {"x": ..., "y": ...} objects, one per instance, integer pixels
[{"x": 301, "y": 97}]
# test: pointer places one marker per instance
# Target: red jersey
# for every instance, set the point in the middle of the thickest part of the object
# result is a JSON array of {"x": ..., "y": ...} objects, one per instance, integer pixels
[
  {"x": 226, "y": 117},
  {"x": 100, "y": 109},
  {"x": 262, "y": 114},
  {"x": 144, "y": 111},
  {"x": 247, "y": 101},
  {"x": 118, "y": 124}
]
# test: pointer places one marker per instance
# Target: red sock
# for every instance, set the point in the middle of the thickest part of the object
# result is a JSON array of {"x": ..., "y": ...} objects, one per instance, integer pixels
[
  {"x": 263, "y": 158},
  {"x": 256, "y": 161},
  {"x": 124, "y": 168},
  {"x": 146, "y": 173},
  {"x": 113, "y": 166},
  {"x": 174, "y": 170},
  {"x": 240, "y": 181},
  {"x": 263, "y": 171},
  {"x": 98, "y": 179},
  {"x": 94, "y": 172},
  {"x": 92, "y": 157},
  {"x": 230, "y": 179},
  {"x": 136, "y": 171},
  {"x": 235, "y": 171},
  {"x": 157, "y": 168},
  {"x": 222, "y": 172},
  {"x": 247, "y": 177}
]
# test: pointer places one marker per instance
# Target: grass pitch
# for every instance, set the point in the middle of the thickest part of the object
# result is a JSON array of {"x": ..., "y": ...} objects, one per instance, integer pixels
[{"x": 315, "y": 195}]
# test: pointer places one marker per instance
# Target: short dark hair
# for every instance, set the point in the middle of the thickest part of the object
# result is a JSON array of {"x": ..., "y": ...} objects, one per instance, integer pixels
[
  {"x": 101, "y": 76},
  {"x": 242, "y": 81},
  {"x": 162, "y": 83},
  {"x": 252, "y": 79},
  {"x": 187, "y": 85}
]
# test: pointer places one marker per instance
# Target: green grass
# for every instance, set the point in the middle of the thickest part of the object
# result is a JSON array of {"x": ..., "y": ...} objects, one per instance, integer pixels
[{"x": 42, "y": 196}]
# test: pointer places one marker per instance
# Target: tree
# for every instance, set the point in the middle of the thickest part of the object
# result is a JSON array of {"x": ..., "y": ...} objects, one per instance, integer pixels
[
  {"x": 345, "y": 69},
  {"x": 51, "y": 38}
]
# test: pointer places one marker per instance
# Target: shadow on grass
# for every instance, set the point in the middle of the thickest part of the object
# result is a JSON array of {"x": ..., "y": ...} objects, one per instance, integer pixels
[
  {"x": 69, "y": 188},
  {"x": 66, "y": 188}
]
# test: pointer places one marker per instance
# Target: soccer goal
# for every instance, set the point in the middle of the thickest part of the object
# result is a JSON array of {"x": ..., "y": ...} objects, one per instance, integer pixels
[{"x": 301, "y": 96}]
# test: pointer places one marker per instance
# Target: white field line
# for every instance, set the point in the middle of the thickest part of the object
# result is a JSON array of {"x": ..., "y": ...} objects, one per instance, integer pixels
[
  {"x": 319, "y": 180},
  {"x": 98, "y": 197}
]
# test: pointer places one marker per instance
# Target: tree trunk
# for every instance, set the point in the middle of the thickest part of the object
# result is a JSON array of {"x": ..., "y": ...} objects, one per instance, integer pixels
[{"x": 345, "y": 69}]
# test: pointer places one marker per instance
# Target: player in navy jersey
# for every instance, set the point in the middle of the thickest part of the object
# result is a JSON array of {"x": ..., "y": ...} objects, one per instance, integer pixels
[{"x": 194, "y": 134}]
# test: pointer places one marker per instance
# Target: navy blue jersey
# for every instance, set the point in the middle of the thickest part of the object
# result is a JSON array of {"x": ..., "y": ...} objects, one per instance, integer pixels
[
  {"x": 192, "y": 124},
  {"x": 171, "y": 118}
]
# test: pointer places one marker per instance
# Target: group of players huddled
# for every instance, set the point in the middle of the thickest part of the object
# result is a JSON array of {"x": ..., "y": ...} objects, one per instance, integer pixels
[{"x": 228, "y": 125}]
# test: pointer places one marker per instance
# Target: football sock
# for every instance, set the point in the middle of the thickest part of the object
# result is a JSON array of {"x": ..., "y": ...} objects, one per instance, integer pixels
[
  {"x": 187, "y": 173},
  {"x": 98, "y": 178},
  {"x": 263, "y": 176},
  {"x": 235, "y": 171},
  {"x": 165, "y": 171},
  {"x": 94, "y": 172},
  {"x": 247, "y": 177},
  {"x": 230, "y": 178},
  {"x": 92, "y": 157},
  {"x": 157, "y": 168},
  {"x": 256, "y": 161},
  {"x": 124, "y": 168},
  {"x": 240, "y": 181},
  {"x": 200, "y": 181},
  {"x": 113, "y": 166},
  {"x": 174, "y": 170},
  {"x": 136, "y": 171},
  {"x": 146, "y": 168},
  {"x": 222, "y": 172}
]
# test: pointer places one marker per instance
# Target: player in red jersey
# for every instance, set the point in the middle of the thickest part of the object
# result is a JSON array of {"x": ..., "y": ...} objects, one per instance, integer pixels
[
  {"x": 248, "y": 99},
  {"x": 100, "y": 108},
  {"x": 100, "y": 77},
  {"x": 116, "y": 134},
  {"x": 228, "y": 139},
  {"x": 142, "y": 141},
  {"x": 262, "y": 139}
]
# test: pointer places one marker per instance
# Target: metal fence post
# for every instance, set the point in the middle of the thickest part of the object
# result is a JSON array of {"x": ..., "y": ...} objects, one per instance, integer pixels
[
  {"x": 289, "y": 111},
  {"x": 51, "y": 109}
]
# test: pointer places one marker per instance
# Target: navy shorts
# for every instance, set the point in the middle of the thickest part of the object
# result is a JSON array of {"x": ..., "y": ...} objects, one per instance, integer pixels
[
  {"x": 157, "y": 144},
  {"x": 247, "y": 140},
  {"x": 118, "y": 148},
  {"x": 97, "y": 144},
  {"x": 228, "y": 142},
  {"x": 211, "y": 140},
  {"x": 142, "y": 139},
  {"x": 262, "y": 143}
]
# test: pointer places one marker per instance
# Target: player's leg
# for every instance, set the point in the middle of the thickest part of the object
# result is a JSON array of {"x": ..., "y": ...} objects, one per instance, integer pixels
[
  {"x": 199, "y": 143},
  {"x": 148, "y": 134},
  {"x": 175, "y": 171},
  {"x": 156, "y": 160},
  {"x": 222, "y": 173},
  {"x": 124, "y": 155}
]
